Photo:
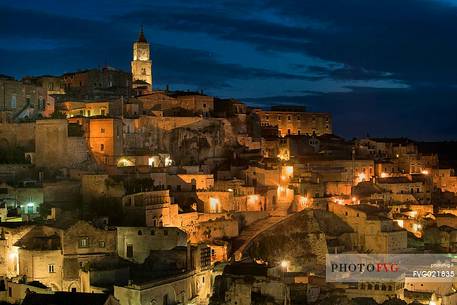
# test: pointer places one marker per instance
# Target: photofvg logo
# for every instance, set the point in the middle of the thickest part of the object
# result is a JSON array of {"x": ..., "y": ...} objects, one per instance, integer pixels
[
  {"x": 390, "y": 267},
  {"x": 361, "y": 267}
]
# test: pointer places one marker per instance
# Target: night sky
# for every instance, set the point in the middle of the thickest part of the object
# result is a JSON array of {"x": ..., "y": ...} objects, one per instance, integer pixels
[{"x": 382, "y": 67}]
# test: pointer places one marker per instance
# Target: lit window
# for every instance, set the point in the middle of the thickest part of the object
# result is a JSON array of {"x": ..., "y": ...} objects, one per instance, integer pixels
[
  {"x": 84, "y": 242},
  {"x": 101, "y": 244}
]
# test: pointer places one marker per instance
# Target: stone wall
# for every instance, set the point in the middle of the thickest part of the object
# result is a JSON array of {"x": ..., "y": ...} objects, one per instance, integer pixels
[
  {"x": 145, "y": 239},
  {"x": 18, "y": 134},
  {"x": 100, "y": 241},
  {"x": 100, "y": 186},
  {"x": 296, "y": 122},
  {"x": 35, "y": 266}
]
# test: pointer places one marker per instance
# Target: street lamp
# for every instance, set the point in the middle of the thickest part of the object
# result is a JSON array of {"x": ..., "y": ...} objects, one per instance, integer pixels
[{"x": 284, "y": 265}]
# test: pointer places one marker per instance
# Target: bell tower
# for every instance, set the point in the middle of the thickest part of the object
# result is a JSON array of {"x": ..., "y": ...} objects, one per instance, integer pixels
[{"x": 141, "y": 63}]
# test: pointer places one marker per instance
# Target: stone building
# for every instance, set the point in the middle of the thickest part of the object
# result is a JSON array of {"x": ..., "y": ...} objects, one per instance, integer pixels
[
  {"x": 249, "y": 283},
  {"x": 136, "y": 243},
  {"x": 350, "y": 171},
  {"x": 91, "y": 108},
  {"x": 141, "y": 63},
  {"x": 19, "y": 100},
  {"x": 177, "y": 103},
  {"x": 295, "y": 121},
  {"x": 97, "y": 83},
  {"x": 53, "y": 255},
  {"x": 106, "y": 139},
  {"x": 56, "y": 147},
  {"x": 192, "y": 283},
  {"x": 443, "y": 239},
  {"x": 378, "y": 291},
  {"x": 53, "y": 84},
  {"x": 190, "y": 182},
  {"x": 28, "y": 197},
  {"x": 10, "y": 234},
  {"x": 382, "y": 148},
  {"x": 401, "y": 185},
  {"x": 445, "y": 179},
  {"x": 375, "y": 232},
  {"x": 153, "y": 207}
]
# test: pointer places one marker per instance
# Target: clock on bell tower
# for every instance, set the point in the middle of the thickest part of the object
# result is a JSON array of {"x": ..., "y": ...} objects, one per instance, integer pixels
[{"x": 141, "y": 63}]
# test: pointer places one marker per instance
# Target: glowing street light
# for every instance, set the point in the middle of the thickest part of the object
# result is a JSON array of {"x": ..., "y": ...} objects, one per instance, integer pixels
[
  {"x": 362, "y": 177},
  {"x": 303, "y": 200},
  {"x": 285, "y": 264}
]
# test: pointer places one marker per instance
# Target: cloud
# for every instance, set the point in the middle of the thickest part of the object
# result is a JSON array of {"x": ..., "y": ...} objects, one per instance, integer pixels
[
  {"x": 413, "y": 40},
  {"x": 346, "y": 72}
]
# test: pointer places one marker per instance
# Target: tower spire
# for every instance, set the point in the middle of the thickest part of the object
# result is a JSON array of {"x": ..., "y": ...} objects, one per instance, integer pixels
[{"x": 141, "y": 38}]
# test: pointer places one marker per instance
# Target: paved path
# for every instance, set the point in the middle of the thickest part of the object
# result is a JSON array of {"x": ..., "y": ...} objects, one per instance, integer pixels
[{"x": 242, "y": 242}]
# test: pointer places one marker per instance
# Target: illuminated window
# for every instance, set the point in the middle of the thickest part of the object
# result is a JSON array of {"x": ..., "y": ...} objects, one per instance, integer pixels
[
  {"x": 101, "y": 244},
  {"x": 84, "y": 242}
]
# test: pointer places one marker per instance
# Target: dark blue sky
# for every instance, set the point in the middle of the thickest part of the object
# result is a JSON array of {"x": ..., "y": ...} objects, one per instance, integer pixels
[{"x": 387, "y": 68}]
